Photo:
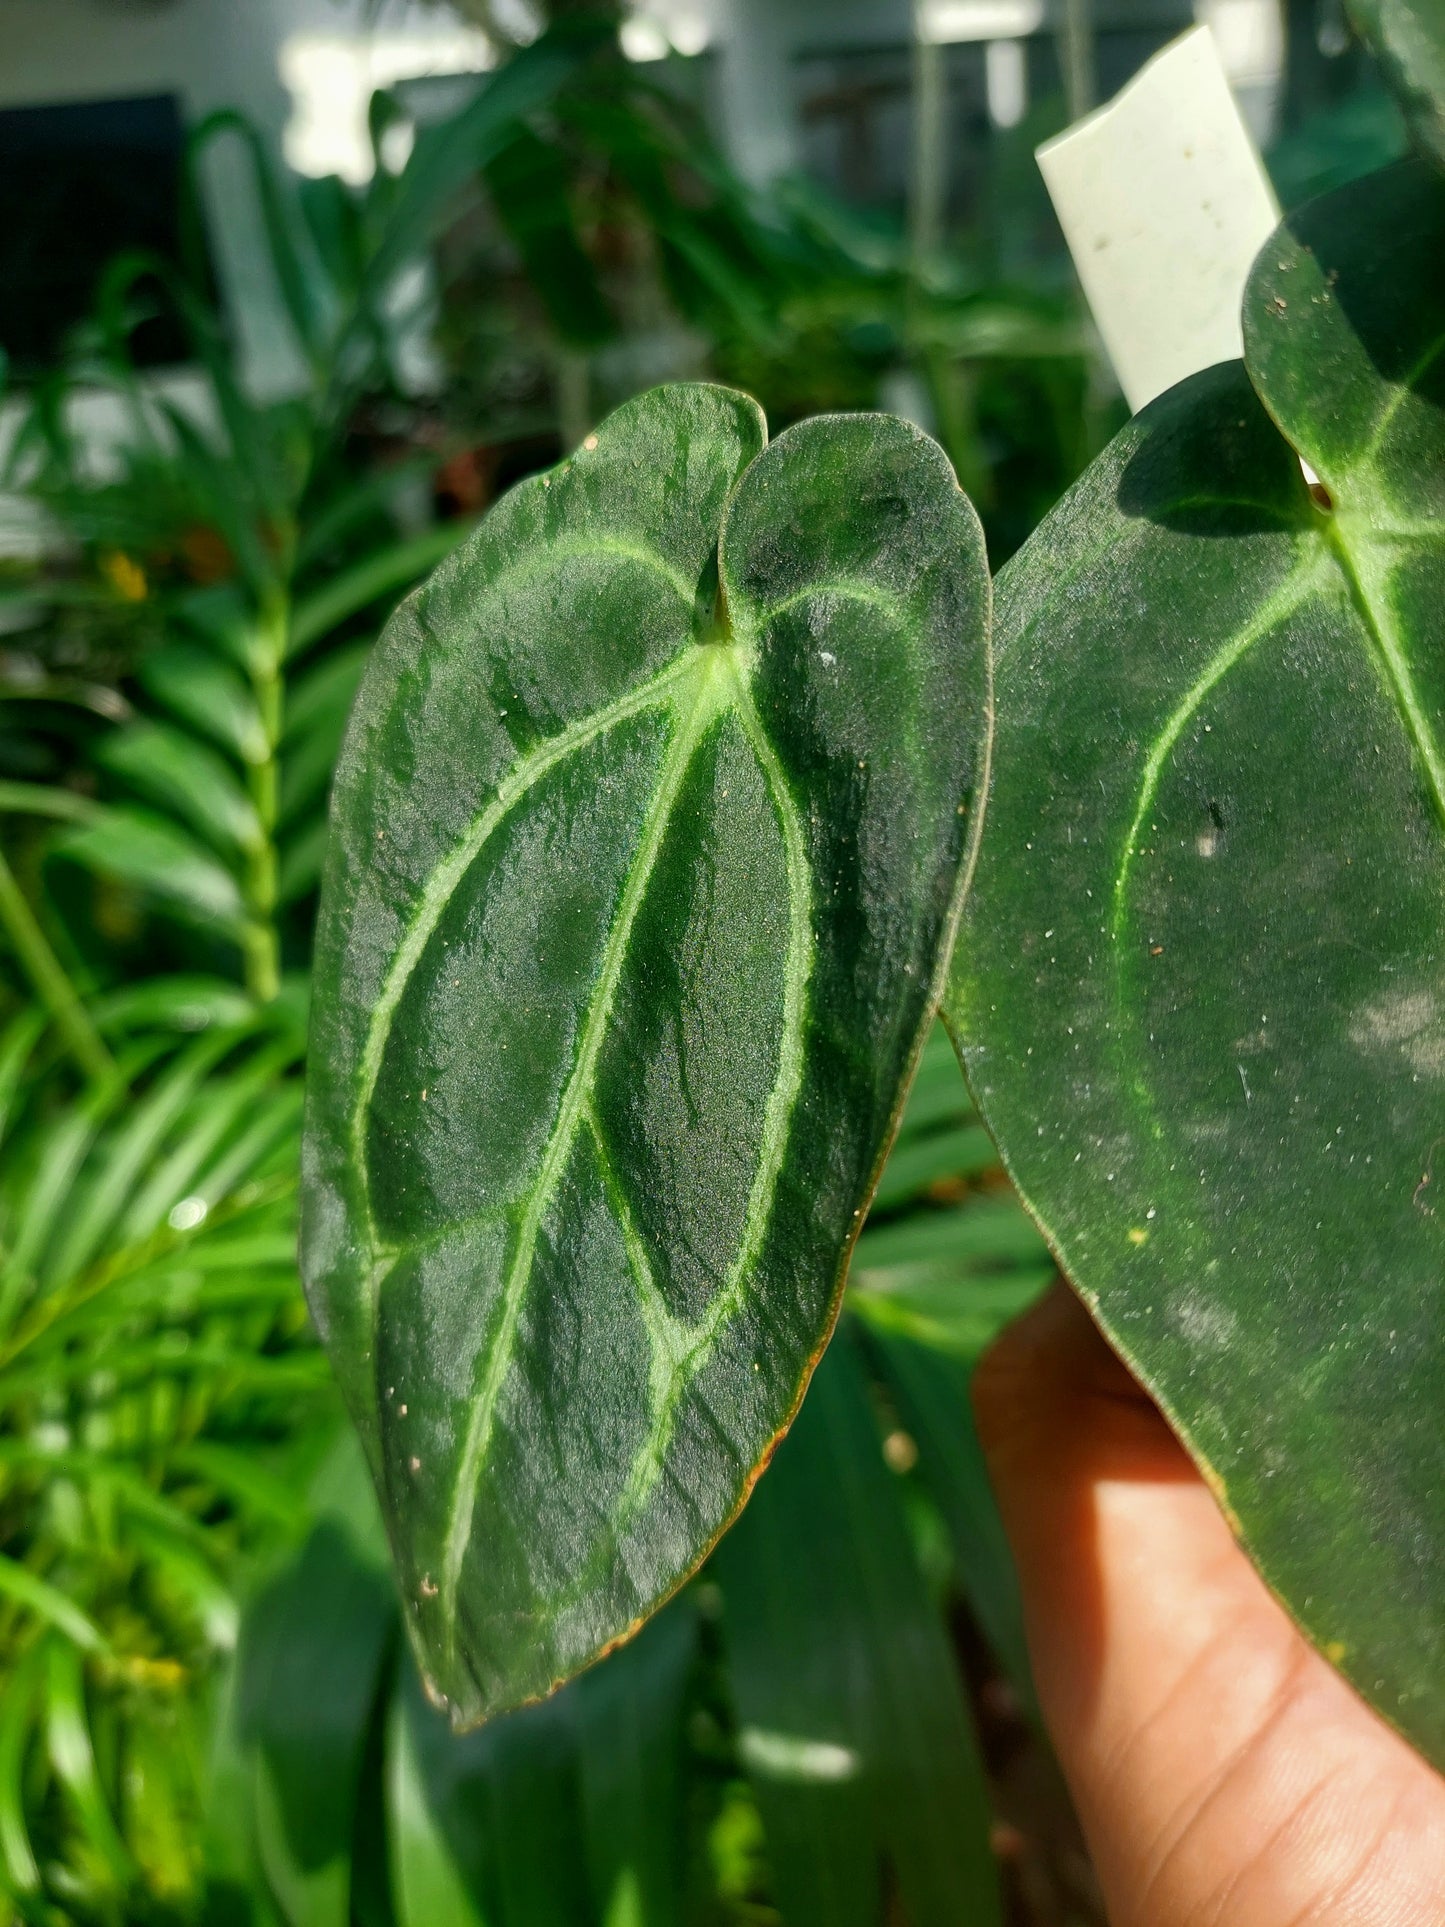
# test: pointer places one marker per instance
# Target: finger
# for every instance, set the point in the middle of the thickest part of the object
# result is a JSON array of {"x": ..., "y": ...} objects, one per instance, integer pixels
[{"x": 1223, "y": 1772}]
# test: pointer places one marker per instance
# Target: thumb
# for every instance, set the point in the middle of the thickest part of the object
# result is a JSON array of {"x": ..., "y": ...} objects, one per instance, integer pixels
[{"x": 1224, "y": 1774}]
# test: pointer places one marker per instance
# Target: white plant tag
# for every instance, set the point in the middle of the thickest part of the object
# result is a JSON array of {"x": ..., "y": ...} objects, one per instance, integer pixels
[{"x": 1164, "y": 203}]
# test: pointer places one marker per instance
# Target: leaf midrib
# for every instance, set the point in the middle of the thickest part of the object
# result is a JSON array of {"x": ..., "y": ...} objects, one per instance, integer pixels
[
  {"x": 1277, "y": 608},
  {"x": 1368, "y": 594},
  {"x": 442, "y": 883},
  {"x": 681, "y": 1349},
  {"x": 714, "y": 685},
  {"x": 698, "y": 1339},
  {"x": 1372, "y": 600}
]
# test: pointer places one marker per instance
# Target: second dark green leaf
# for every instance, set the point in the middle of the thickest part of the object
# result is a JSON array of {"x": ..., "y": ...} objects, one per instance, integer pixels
[{"x": 1199, "y": 990}]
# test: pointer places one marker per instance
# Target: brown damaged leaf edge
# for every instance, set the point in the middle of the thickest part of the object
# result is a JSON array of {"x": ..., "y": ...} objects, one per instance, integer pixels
[{"x": 650, "y": 839}]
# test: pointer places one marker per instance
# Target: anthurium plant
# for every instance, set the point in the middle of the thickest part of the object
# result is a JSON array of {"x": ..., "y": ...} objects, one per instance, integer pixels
[{"x": 679, "y": 798}]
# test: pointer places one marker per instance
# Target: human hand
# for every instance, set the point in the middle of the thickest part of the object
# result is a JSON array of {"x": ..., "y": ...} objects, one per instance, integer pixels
[{"x": 1225, "y": 1775}]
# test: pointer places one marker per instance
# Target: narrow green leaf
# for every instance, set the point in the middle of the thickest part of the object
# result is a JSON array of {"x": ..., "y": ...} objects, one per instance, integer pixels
[
  {"x": 505, "y": 1803},
  {"x": 319, "y": 698},
  {"x": 237, "y": 1472},
  {"x": 178, "y": 1559},
  {"x": 157, "y": 1798},
  {"x": 111, "y": 1180},
  {"x": 647, "y": 840},
  {"x": 207, "y": 692},
  {"x": 182, "y": 1003},
  {"x": 286, "y": 1375},
  {"x": 302, "y": 859},
  {"x": 336, "y": 218},
  {"x": 449, "y": 154},
  {"x": 133, "y": 846},
  {"x": 992, "y": 1233},
  {"x": 17, "y": 1041},
  {"x": 311, "y": 1669},
  {"x": 951, "y": 1308},
  {"x": 1407, "y": 37},
  {"x": 938, "y": 1095},
  {"x": 221, "y": 615},
  {"x": 72, "y": 1755},
  {"x": 59, "y": 1156},
  {"x": 529, "y": 182},
  {"x": 426, "y": 1884},
  {"x": 45, "y": 799},
  {"x": 236, "y": 1894},
  {"x": 306, "y": 295},
  {"x": 381, "y": 575},
  {"x": 628, "y": 1715},
  {"x": 350, "y": 506},
  {"x": 933, "y": 1404},
  {"x": 269, "y": 1130},
  {"x": 852, "y": 1763},
  {"x": 931, "y": 1159},
  {"x": 186, "y": 778},
  {"x": 17, "y": 1727},
  {"x": 1198, "y": 993},
  {"x": 48, "y": 977},
  {"x": 46, "y": 1602},
  {"x": 246, "y": 1099}
]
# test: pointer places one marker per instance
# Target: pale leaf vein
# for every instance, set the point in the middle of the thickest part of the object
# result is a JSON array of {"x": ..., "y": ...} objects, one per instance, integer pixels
[
  {"x": 442, "y": 883},
  {"x": 689, "y": 726},
  {"x": 1276, "y": 609}
]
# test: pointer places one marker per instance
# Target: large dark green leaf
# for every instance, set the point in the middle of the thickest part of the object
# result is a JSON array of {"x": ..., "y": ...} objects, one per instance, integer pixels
[
  {"x": 854, "y": 1727},
  {"x": 1408, "y": 39},
  {"x": 1199, "y": 989},
  {"x": 640, "y": 869}
]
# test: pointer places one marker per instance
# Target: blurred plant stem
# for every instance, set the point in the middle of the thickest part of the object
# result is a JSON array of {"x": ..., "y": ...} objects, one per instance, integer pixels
[
  {"x": 1077, "y": 59},
  {"x": 268, "y": 650},
  {"x": 1076, "y": 56},
  {"x": 927, "y": 185}
]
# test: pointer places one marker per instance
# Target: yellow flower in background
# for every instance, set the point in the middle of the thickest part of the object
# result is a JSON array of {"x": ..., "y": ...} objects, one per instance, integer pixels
[
  {"x": 159, "y": 1673},
  {"x": 125, "y": 576}
]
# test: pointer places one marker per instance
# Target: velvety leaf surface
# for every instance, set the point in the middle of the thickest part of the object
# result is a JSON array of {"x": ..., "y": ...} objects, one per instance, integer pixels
[
  {"x": 1199, "y": 990},
  {"x": 1408, "y": 39},
  {"x": 647, "y": 836}
]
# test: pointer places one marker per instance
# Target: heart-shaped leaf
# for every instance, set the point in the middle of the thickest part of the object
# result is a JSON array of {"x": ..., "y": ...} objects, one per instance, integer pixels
[
  {"x": 648, "y": 838},
  {"x": 1199, "y": 989}
]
